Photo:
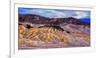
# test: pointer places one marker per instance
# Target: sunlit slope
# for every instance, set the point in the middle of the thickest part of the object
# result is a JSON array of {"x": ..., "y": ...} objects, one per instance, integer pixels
[
  {"x": 50, "y": 37},
  {"x": 44, "y": 35}
]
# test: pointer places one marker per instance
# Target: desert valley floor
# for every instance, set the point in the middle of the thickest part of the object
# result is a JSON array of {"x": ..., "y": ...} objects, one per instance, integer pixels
[{"x": 36, "y": 32}]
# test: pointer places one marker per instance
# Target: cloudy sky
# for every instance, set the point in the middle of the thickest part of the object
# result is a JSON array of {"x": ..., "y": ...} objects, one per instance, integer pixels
[{"x": 56, "y": 13}]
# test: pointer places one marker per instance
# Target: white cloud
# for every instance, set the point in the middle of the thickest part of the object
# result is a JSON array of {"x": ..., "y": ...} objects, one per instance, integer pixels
[
  {"x": 56, "y": 14},
  {"x": 80, "y": 14},
  {"x": 49, "y": 13}
]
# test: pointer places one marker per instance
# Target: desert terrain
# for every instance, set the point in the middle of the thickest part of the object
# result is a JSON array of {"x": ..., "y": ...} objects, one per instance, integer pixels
[{"x": 37, "y": 32}]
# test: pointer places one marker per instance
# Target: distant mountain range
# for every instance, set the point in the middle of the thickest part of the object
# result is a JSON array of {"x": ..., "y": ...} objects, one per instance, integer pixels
[
  {"x": 37, "y": 19},
  {"x": 85, "y": 20}
]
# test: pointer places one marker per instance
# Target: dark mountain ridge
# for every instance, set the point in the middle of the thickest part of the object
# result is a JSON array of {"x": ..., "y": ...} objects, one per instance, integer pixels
[{"x": 37, "y": 19}]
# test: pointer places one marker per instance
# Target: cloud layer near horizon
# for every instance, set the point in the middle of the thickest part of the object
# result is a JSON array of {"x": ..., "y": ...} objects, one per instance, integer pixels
[{"x": 55, "y": 13}]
